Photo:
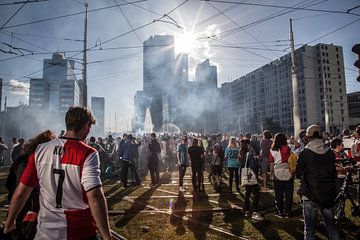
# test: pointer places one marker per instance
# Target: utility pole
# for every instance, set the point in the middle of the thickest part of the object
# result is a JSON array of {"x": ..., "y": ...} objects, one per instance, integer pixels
[
  {"x": 1, "y": 84},
  {"x": 115, "y": 123},
  {"x": 295, "y": 86},
  {"x": 326, "y": 102},
  {"x": 84, "y": 73}
]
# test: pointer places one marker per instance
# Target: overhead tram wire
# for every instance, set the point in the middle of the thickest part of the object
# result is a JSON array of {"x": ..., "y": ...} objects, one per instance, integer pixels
[
  {"x": 12, "y": 16},
  {"x": 245, "y": 50},
  {"x": 116, "y": 37},
  {"x": 212, "y": 17},
  {"x": 269, "y": 17},
  {"x": 127, "y": 20},
  {"x": 22, "y": 40},
  {"x": 43, "y": 36},
  {"x": 252, "y": 48},
  {"x": 20, "y": 2},
  {"x": 335, "y": 30},
  {"x": 286, "y": 7},
  {"x": 70, "y": 15},
  {"x": 143, "y": 8},
  {"x": 247, "y": 32}
]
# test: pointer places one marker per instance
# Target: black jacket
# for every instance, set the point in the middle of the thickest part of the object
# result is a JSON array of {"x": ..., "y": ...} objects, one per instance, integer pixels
[{"x": 317, "y": 176}]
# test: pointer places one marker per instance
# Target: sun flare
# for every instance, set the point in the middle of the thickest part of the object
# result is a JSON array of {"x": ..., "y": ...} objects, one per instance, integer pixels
[{"x": 186, "y": 42}]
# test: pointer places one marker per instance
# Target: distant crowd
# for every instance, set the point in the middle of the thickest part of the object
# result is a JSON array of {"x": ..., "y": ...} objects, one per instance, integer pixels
[{"x": 321, "y": 161}]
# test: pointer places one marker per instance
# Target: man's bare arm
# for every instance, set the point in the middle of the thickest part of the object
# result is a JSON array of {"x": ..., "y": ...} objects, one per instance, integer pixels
[
  {"x": 99, "y": 211},
  {"x": 18, "y": 200}
]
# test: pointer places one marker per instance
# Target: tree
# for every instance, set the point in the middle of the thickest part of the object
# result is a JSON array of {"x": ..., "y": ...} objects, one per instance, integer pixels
[{"x": 271, "y": 125}]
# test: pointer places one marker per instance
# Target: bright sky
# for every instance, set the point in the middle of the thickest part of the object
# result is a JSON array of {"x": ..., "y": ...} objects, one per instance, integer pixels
[{"x": 204, "y": 29}]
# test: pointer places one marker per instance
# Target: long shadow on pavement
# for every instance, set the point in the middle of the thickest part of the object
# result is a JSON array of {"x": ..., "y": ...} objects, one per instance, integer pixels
[
  {"x": 234, "y": 218},
  {"x": 201, "y": 200},
  {"x": 139, "y": 204},
  {"x": 178, "y": 213}
]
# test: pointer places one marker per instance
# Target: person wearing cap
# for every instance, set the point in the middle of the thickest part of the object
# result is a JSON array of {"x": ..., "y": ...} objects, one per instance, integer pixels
[{"x": 316, "y": 170}]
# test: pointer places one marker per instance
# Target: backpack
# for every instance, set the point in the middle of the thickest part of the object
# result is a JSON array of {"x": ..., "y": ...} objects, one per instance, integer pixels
[{"x": 284, "y": 171}]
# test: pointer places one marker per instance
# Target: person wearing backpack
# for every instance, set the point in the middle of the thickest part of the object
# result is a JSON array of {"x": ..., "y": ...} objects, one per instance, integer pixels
[
  {"x": 282, "y": 168},
  {"x": 250, "y": 166}
]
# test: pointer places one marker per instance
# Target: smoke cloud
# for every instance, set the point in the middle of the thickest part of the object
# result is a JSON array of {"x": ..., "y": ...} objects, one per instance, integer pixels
[{"x": 19, "y": 88}]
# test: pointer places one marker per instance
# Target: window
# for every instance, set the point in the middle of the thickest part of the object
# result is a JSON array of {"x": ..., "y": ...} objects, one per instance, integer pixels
[
  {"x": 338, "y": 63},
  {"x": 327, "y": 61},
  {"x": 327, "y": 54},
  {"x": 322, "y": 46},
  {"x": 339, "y": 78},
  {"x": 340, "y": 90},
  {"x": 323, "y": 54},
  {"x": 338, "y": 69},
  {"x": 337, "y": 49},
  {"x": 337, "y": 55},
  {"x": 326, "y": 47},
  {"x": 340, "y": 97}
]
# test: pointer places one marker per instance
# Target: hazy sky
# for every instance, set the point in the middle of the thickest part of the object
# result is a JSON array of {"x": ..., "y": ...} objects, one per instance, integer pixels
[{"x": 116, "y": 74}]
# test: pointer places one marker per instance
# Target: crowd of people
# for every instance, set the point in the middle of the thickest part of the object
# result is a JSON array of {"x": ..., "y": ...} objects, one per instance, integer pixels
[{"x": 65, "y": 172}]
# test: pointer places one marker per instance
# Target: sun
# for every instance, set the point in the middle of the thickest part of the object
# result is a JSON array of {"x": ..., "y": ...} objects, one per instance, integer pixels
[{"x": 186, "y": 42}]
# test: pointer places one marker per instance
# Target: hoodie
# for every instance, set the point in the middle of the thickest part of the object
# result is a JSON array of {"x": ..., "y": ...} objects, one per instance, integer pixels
[
  {"x": 316, "y": 170},
  {"x": 318, "y": 146}
]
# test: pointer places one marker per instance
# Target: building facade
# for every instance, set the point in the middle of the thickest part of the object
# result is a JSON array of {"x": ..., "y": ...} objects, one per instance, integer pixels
[
  {"x": 58, "y": 89},
  {"x": 266, "y": 93},
  {"x": 158, "y": 76},
  {"x": 98, "y": 109}
]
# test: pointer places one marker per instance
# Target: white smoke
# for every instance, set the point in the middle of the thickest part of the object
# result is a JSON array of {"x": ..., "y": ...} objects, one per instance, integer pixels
[{"x": 19, "y": 88}]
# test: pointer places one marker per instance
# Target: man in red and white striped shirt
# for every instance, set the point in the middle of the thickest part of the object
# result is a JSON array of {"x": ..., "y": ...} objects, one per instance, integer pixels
[{"x": 72, "y": 203}]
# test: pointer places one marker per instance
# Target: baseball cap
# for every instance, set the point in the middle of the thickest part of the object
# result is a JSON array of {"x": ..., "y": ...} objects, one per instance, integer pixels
[{"x": 312, "y": 129}]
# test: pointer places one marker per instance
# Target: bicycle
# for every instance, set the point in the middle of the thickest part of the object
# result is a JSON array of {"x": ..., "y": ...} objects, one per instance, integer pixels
[{"x": 339, "y": 208}]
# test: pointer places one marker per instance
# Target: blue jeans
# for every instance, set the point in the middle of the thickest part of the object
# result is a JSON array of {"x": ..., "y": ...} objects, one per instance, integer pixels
[{"x": 309, "y": 209}]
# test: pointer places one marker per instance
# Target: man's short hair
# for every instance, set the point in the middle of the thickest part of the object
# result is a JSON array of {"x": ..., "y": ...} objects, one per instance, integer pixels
[
  {"x": 336, "y": 142},
  {"x": 77, "y": 117},
  {"x": 153, "y": 135},
  {"x": 302, "y": 133},
  {"x": 130, "y": 137},
  {"x": 92, "y": 139}
]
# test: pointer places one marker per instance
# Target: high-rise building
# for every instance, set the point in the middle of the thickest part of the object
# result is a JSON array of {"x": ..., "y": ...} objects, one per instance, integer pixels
[
  {"x": 98, "y": 109},
  {"x": 158, "y": 76},
  {"x": 205, "y": 91},
  {"x": 58, "y": 89},
  {"x": 266, "y": 93}
]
